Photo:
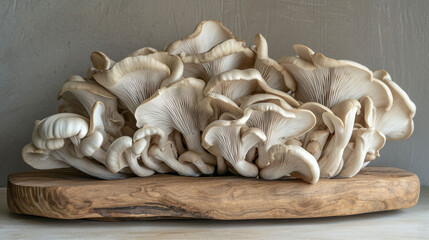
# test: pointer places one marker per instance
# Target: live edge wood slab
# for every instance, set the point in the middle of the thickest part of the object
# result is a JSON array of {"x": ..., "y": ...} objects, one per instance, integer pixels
[{"x": 66, "y": 194}]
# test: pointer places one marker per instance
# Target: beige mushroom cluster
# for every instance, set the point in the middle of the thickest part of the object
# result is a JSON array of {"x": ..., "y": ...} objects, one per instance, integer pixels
[{"x": 210, "y": 105}]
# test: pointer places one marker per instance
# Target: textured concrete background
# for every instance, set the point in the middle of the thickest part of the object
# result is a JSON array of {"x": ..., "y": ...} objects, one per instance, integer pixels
[{"x": 42, "y": 43}]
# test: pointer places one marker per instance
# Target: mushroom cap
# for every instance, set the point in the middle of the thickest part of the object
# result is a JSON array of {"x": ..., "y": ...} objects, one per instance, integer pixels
[
  {"x": 142, "y": 52},
  {"x": 50, "y": 133},
  {"x": 367, "y": 141},
  {"x": 293, "y": 161},
  {"x": 396, "y": 123},
  {"x": 239, "y": 83},
  {"x": 217, "y": 104},
  {"x": 329, "y": 81},
  {"x": 205, "y": 36},
  {"x": 232, "y": 141},
  {"x": 231, "y": 54},
  {"x": 101, "y": 61},
  {"x": 40, "y": 159},
  {"x": 274, "y": 74},
  {"x": 278, "y": 124},
  {"x": 246, "y": 101},
  {"x": 134, "y": 79},
  {"x": 173, "y": 107}
]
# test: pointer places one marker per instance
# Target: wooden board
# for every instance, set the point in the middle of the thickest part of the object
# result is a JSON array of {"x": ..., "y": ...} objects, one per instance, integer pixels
[{"x": 66, "y": 194}]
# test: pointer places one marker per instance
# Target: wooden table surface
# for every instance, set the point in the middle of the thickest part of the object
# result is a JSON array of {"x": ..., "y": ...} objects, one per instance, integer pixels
[{"x": 410, "y": 223}]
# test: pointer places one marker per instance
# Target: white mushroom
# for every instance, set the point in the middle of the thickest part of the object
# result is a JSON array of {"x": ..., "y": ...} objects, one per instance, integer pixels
[
  {"x": 263, "y": 98},
  {"x": 134, "y": 79},
  {"x": 121, "y": 154},
  {"x": 329, "y": 81},
  {"x": 205, "y": 36},
  {"x": 274, "y": 74},
  {"x": 231, "y": 54},
  {"x": 367, "y": 141},
  {"x": 292, "y": 161},
  {"x": 278, "y": 124},
  {"x": 215, "y": 105},
  {"x": 340, "y": 122},
  {"x": 177, "y": 107},
  {"x": 230, "y": 141}
]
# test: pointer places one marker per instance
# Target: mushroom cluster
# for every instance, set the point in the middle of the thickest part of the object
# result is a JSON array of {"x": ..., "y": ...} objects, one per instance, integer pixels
[{"x": 210, "y": 105}]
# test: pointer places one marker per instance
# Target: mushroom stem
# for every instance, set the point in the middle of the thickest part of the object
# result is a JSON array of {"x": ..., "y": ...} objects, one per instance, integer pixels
[
  {"x": 167, "y": 157},
  {"x": 193, "y": 142},
  {"x": 221, "y": 166},
  {"x": 262, "y": 160}
]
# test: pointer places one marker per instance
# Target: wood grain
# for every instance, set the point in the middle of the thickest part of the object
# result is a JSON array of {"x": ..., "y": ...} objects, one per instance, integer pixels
[{"x": 66, "y": 194}]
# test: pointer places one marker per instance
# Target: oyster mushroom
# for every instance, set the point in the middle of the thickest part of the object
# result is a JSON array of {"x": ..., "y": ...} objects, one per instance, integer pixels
[
  {"x": 51, "y": 132},
  {"x": 231, "y": 54},
  {"x": 366, "y": 140},
  {"x": 84, "y": 95},
  {"x": 396, "y": 123},
  {"x": 64, "y": 157},
  {"x": 121, "y": 154},
  {"x": 217, "y": 104},
  {"x": 329, "y": 81},
  {"x": 101, "y": 61},
  {"x": 292, "y": 161},
  {"x": 176, "y": 107},
  {"x": 230, "y": 141},
  {"x": 134, "y": 79},
  {"x": 196, "y": 160},
  {"x": 340, "y": 122},
  {"x": 279, "y": 125},
  {"x": 274, "y": 74},
  {"x": 235, "y": 84},
  {"x": 142, "y": 52},
  {"x": 205, "y": 36}
]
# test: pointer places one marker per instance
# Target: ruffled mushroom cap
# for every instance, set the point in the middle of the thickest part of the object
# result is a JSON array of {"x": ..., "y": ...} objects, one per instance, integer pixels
[
  {"x": 134, "y": 79},
  {"x": 51, "y": 132},
  {"x": 235, "y": 84},
  {"x": 230, "y": 141},
  {"x": 263, "y": 98},
  {"x": 329, "y": 81},
  {"x": 396, "y": 123},
  {"x": 274, "y": 74},
  {"x": 368, "y": 141},
  {"x": 290, "y": 161},
  {"x": 340, "y": 122},
  {"x": 278, "y": 124},
  {"x": 231, "y": 54},
  {"x": 85, "y": 95},
  {"x": 177, "y": 107},
  {"x": 205, "y": 36}
]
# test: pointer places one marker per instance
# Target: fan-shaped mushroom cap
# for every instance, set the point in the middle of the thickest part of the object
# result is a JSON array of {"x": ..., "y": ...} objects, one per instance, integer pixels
[
  {"x": 176, "y": 107},
  {"x": 340, "y": 122},
  {"x": 230, "y": 141},
  {"x": 235, "y": 84},
  {"x": 231, "y": 54},
  {"x": 205, "y": 36},
  {"x": 396, "y": 123},
  {"x": 367, "y": 141},
  {"x": 329, "y": 81},
  {"x": 290, "y": 161},
  {"x": 134, "y": 79},
  {"x": 278, "y": 124},
  {"x": 50, "y": 133},
  {"x": 274, "y": 74},
  {"x": 263, "y": 98}
]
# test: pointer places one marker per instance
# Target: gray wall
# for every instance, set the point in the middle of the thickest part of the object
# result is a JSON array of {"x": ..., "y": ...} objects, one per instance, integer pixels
[{"x": 42, "y": 43}]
